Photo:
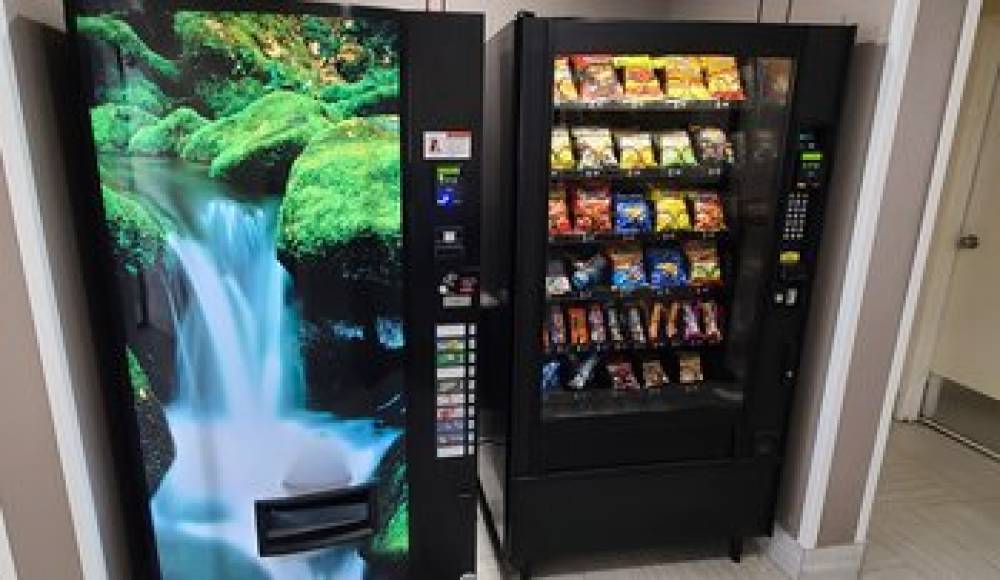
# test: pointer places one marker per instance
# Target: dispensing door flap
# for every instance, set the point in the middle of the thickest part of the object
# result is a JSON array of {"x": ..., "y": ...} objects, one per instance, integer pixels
[{"x": 320, "y": 520}]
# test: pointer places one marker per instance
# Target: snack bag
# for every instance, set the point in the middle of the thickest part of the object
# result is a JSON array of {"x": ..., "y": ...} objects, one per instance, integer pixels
[
  {"x": 622, "y": 375},
  {"x": 671, "y": 211},
  {"x": 584, "y": 373},
  {"x": 595, "y": 148},
  {"x": 675, "y": 149},
  {"x": 723, "y": 76},
  {"x": 641, "y": 83},
  {"x": 564, "y": 87},
  {"x": 712, "y": 325},
  {"x": 615, "y": 325},
  {"x": 703, "y": 259},
  {"x": 557, "y": 326},
  {"x": 707, "y": 210},
  {"x": 589, "y": 272},
  {"x": 692, "y": 326},
  {"x": 595, "y": 318},
  {"x": 632, "y": 215},
  {"x": 558, "y": 212},
  {"x": 673, "y": 320},
  {"x": 656, "y": 317},
  {"x": 666, "y": 267},
  {"x": 551, "y": 372},
  {"x": 561, "y": 154},
  {"x": 690, "y": 368},
  {"x": 556, "y": 280},
  {"x": 635, "y": 150},
  {"x": 635, "y": 328},
  {"x": 592, "y": 209},
  {"x": 578, "y": 334},
  {"x": 653, "y": 375},
  {"x": 685, "y": 80},
  {"x": 627, "y": 272},
  {"x": 598, "y": 79},
  {"x": 713, "y": 145}
]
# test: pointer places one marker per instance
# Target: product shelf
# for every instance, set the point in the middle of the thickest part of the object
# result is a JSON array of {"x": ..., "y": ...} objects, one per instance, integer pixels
[
  {"x": 612, "y": 295},
  {"x": 651, "y": 106},
  {"x": 578, "y": 239},
  {"x": 674, "y": 397},
  {"x": 696, "y": 175}
]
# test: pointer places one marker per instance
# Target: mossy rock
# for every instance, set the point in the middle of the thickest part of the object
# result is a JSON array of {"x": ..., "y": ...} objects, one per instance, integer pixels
[
  {"x": 168, "y": 135},
  {"x": 136, "y": 90},
  {"x": 262, "y": 140},
  {"x": 158, "y": 449},
  {"x": 138, "y": 233},
  {"x": 345, "y": 186},
  {"x": 115, "y": 125},
  {"x": 118, "y": 33}
]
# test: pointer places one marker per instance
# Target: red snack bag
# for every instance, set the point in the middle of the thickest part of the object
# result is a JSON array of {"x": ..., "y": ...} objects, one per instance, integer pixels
[
  {"x": 708, "y": 213},
  {"x": 622, "y": 375},
  {"x": 558, "y": 212},
  {"x": 592, "y": 209},
  {"x": 598, "y": 79}
]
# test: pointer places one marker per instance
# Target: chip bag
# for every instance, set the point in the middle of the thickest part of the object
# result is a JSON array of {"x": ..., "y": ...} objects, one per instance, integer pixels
[
  {"x": 564, "y": 87},
  {"x": 561, "y": 154},
  {"x": 690, "y": 370},
  {"x": 708, "y": 213},
  {"x": 671, "y": 211},
  {"x": 675, "y": 149},
  {"x": 641, "y": 83},
  {"x": 713, "y": 145},
  {"x": 595, "y": 148},
  {"x": 632, "y": 215},
  {"x": 589, "y": 273},
  {"x": 723, "y": 75},
  {"x": 556, "y": 280},
  {"x": 622, "y": 375},
  {"x": 627, "y": 272},
  {"x": 558, "y": 212},
  {"x": 685, "y": 80},
  {"x": 666, "y": 267},
  {"x": 653, "y": 375},
  {"x": 703, "y": 258},
  {"x": 635, "y": 150},
  {"x": 597, "y": 77},
  {"x": 592, "y": 209}
]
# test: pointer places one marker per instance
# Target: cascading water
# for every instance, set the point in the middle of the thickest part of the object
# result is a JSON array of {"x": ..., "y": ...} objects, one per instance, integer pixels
[{"x": 238, "y": 420}]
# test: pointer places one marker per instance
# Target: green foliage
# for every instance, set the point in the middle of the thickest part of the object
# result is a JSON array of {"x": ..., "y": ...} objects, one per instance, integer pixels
[
  {"x": 114, "y": 125},
  {"x": 119, "y": 34},
  {"x": 225, "y": 97},
  {"x": 137, "y": 91},
  {"x": 168, "y": 135},
  {"x": 137, "y": 232},
  {"x": 263, "y": 137},
  {"x": 377, "y": 91},
  {"x": 137, "y": 376}
]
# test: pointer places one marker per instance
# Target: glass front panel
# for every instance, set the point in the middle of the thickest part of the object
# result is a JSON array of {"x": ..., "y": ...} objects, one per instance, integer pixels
[
  {"x": 664, "y": 176},
  {"x": 250, "y": 183}
]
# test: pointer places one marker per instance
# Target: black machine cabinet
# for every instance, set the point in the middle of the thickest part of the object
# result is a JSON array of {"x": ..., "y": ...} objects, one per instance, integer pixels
[{"x": 641, "y": 346}]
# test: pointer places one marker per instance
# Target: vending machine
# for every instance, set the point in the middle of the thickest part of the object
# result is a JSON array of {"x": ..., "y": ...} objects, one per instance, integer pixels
[
  {"x": 654, "y": 213},
  {"x": 278, "y": 208}
]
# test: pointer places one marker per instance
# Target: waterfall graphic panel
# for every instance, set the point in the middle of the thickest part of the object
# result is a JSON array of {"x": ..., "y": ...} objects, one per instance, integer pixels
[{"x": 250, "y": 181}]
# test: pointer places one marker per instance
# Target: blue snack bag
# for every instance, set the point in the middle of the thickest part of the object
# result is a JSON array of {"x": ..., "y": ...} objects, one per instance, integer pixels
[
  {"x": 632, "y": 214},
  {"x": 666, "y": 267},
  {"x": 627, "y": 271}
]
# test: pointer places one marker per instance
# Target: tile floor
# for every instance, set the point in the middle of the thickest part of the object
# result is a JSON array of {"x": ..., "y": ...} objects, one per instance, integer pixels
[{"x": 936, "y": 517}]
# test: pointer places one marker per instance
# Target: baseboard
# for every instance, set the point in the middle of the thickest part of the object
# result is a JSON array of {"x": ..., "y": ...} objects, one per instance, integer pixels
[{"x": 827, "y": 563}]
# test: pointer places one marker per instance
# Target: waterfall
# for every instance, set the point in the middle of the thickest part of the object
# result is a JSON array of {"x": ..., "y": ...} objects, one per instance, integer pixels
[{"x": 238, "y": 421}]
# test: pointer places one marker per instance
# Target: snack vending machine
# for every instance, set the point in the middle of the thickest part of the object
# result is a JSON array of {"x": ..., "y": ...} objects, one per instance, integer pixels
[
  {"x": 278, "y": 207},
  {"x": 654, "y": 216}
]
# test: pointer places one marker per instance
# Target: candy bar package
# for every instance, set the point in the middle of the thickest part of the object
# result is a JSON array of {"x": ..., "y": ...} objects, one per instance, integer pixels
[
  {"x": 585, "y": 373},
  {"x": 595, "y": 148},
  {"x": 556, "y": 280},
  {"x": 597, "y": 77},
  {"x": 558, "y": 212},
  {"x": 564, "y": 88},
  {"x": 673, "y": 320},
  {"x": 692, "y": 326},
  {"x": 676, "y": 149},
  {"x": 666, "y": 267},
  {"x": 635, "y": 328},
  {"x": 635, "y": 150},
  {"x": 627, "y": 272},
  {"x": 703, "y": 258},
  {"x": 578, "y": 333},
  {"x": 557, "y": 326},
  {"x": 707, "y": 210},
  {"x": 653, "y": 375},
  {"x": 685, "y": 79},
  {"x": 622, "y": 375},
  {"x": 595, "y": 319},
  {"x": 615, "y": 325},
  {"x": 713, "y": 145},
  {"x": 657, "y": 315},
  {"x": 711, "y": 316},
  {"x": 561, "y": 155},
  {"x": 689, "y": 370},
  {"x": 589, "y": 272},
  {"x": 641, "y": 83},
  {"x": 592, "y": 209},
  {"x": 723, "y": 76},
  {"x": 632, "y": 214},
  {"x": 551, "y": 376},
  {"x": 671, "y": 211}
]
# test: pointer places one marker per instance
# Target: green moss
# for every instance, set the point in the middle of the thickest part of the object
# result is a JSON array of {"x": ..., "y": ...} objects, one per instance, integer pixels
[
  {"x": 114, "y": 125},
  {"x": 119, "y": 34},
  {"x": 344, "y": 186},
  {"x": 224, "y": 97},
  {"x": 137, "y": 232},
  {"x": 136, "y": 91},
  {"x": 168, "y": 135},
  {"x": 377, "y": 92},
  {"x": 264, "y": 137},
  {"x": 137, "y": 376}
]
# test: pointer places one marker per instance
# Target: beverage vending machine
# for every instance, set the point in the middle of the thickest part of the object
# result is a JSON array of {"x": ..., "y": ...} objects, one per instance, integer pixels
[
  {"x": 654, "y": 214},
  {"x": 278, "y": 205}
]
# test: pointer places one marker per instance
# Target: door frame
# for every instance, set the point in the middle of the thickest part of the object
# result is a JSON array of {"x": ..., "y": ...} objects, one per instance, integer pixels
[{"x": 915, "y": 336}]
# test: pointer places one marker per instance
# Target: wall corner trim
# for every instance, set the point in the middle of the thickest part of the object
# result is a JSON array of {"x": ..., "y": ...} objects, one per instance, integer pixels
[{"x": 800, "y": 563}]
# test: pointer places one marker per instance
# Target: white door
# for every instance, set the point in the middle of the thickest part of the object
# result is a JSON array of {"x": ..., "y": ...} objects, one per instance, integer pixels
[{"x": 968, "y": 344}]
